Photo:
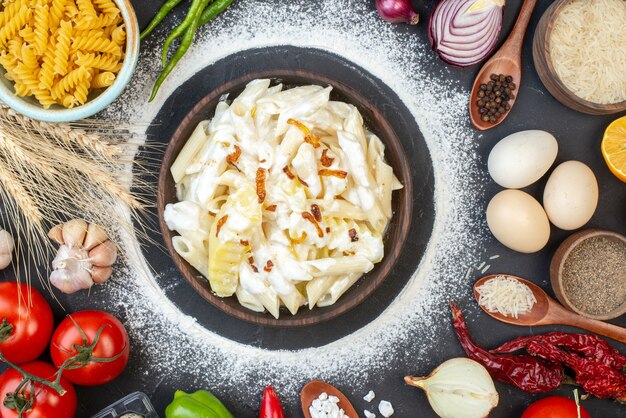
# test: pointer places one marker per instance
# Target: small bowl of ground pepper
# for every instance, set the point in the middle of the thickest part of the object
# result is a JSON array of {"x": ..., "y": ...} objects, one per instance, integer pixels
[{"x": 588, "y": 273}]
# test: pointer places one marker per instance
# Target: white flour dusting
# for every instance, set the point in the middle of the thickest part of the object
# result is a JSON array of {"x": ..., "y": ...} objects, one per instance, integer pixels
[{"x": 169, "y": 341}]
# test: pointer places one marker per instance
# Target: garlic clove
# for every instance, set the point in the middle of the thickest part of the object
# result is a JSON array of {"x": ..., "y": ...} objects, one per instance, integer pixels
[
  {"x": 6, "y": 243},
  {"x": 458, "y": 388},
  {"x": 103, "y": 255},
  {"x": 100, "y": 274},
  {"x": 71, "y": 281},
  {"x": 95, "y": 235},
  {"x": 74, "y": 232},
  {"x": 56, "y": 234},
  {"x": 5, "y": 260}
]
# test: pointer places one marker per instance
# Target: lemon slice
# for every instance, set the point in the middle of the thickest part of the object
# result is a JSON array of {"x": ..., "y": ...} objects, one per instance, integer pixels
[{"x": 614, "y": 148}]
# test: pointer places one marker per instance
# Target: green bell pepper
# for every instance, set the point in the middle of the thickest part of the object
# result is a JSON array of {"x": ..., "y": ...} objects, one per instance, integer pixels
[{"x": 200, "y": 404}]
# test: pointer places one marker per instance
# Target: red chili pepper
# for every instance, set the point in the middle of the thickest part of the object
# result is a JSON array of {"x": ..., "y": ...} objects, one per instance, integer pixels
[
  {"x": 587, "y": 345},
  {"x": 595, "y": 377},
  {"x": 524, "y": 372},
  {"x": 270, "y": 406}
]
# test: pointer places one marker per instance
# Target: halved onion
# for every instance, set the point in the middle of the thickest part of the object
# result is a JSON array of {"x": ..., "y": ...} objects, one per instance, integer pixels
[{"x": 465, "y": 32}]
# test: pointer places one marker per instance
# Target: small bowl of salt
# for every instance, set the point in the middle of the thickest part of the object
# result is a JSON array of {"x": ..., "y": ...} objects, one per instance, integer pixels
[{"x": 588, "y": 273}]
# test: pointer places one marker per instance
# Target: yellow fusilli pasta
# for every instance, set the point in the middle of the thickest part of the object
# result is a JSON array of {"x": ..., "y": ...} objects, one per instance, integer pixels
[
  {"x": 13, "y": 26},
  {"x": 103, "y": 80},
  {"x": 106, "y": 6},
  {"x": 104, "y": 62},
  {"x": 41, "y": 26},
  {"x": 57, "y": 11},
  {"x": 86, "y": 7},
  {"x": 69, "y": 81},
  {"x": 60, "y": 50},
  {"x": 96, "y": 45}
]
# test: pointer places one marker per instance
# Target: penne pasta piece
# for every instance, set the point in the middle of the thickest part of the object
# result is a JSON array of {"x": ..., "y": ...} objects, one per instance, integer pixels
[
  {"x": 245, "y": 102},
  {"x": 186, "y": 155},
  {"x": 316, "y": 288},
  {"x": 383, "y": 174},
  {"x": 338, "y": 289},
  {"x": 338, "y": 266},
  {"x": 248, "y": 300},
  {"x": 197, "y": 259}
]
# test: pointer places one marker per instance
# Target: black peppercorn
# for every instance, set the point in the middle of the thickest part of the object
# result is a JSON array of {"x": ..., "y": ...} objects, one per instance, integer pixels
[{"x": 493, "y": 97}]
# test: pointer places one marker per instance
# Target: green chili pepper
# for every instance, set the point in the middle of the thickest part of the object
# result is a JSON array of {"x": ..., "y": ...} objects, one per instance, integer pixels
[
  {"x": 193, "y": 15},
  {"x": 200, "y": 404},
  {"x": 185, "y": 43},
  {"x": 209, "y": 12},
  {"x": 163, "y": 11},
  {"x": 213, "y": 10}
]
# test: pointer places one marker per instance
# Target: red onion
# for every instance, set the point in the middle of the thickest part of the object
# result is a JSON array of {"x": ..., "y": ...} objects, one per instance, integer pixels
[
  {"x": 396, "y": 11},
  {"x": 465, "y": 32}
]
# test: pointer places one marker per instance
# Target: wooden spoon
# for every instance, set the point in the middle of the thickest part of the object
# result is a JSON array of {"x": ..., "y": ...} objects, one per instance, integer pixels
[
  {"x": 547, "y": 311},
  {"x": 507, "y": 61},
  {"x": 312, "y": 391}
]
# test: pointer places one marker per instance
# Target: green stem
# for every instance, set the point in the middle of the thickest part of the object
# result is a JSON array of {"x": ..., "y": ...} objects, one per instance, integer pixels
[
  {"x": 6, "y": 328},
  {"x": 84, "y": 352},
  {"x": 56, "y": 386}
]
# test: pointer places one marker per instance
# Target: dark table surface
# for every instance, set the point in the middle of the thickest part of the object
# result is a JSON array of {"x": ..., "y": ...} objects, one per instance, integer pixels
[{"x": 579, "y": 137}]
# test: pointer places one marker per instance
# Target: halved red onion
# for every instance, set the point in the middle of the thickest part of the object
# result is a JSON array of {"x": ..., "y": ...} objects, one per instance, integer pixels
[{"x": 465, "y": 32}]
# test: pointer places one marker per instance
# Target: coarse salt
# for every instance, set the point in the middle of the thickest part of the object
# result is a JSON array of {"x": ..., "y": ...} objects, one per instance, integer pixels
[
  {"x": 369, "y": 414},
  {"x": 370, "y": 396},
  {"x": 385, "y": 408},
  {"x": 326, "y": 407}
]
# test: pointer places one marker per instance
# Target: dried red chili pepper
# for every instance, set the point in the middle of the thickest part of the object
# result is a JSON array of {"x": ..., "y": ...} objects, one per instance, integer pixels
[
  {"x": 270, "y": 405},
  {"x": 261, "y": 175},
  {"x": 325, "y": 159},
  {"x": 524, "y": 372},
  {"x": 595, "y": 377},
  {"x": 317, "y": 212},
  {"x": 587, "y": 345},
  {"x": 220, "y": 223}
]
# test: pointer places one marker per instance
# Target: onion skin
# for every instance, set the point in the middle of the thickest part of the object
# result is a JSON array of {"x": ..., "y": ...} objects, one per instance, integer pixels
[
  {"x": 465, "y": 32},
  {"x": 397, "y": 11}
]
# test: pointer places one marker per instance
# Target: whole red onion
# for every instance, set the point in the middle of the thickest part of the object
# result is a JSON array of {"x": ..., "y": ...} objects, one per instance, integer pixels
[{"x": 397, "y": 11}]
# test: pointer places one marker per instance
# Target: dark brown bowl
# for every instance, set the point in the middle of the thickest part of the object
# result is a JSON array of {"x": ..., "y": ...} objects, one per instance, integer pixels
[
  {"x": 558, "y": 261},
  {"x": 548, "y": 75},
  {"x": 397, "y": 230}
]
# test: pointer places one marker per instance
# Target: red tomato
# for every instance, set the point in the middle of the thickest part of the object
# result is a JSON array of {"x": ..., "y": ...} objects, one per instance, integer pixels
[
  {"x": 47, "y": 403},
  {"x": 554, "y": 407},
  {"x": 113, "y": 342},
  {"x": 32, "y": 326}
]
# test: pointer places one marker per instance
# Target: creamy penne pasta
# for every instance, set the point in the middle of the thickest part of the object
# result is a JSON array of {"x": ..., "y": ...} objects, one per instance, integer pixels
[{"x": 283, "y": 198}]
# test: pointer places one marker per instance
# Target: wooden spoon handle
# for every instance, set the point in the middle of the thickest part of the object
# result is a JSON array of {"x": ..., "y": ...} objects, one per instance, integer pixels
[
  {"x": 513, "y": 44},
  {"x": 599, "y": 327}
]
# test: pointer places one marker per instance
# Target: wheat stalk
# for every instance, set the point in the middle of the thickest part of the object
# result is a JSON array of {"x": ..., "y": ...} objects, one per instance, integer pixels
[{"x": 50, "y": 173}]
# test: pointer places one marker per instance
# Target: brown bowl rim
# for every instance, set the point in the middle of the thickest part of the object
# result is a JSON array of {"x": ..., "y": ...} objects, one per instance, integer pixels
[
  {"x": 555, "y": 86},
  {"x": 558, "y": 262},
  {"x": 398, "y": 229}
]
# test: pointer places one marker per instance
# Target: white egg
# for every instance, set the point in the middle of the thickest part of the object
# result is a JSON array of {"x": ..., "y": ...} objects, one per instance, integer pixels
[
  {"x": 518, "y": 221},
  {"x": 571, "y": 195},
  {"x": 522, "y": 158}
]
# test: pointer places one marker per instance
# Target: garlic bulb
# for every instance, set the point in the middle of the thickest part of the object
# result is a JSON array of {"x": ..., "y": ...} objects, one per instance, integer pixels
[
  {"x": 85, "y": 256},
  {"x": 6, "y": 248},
  {"x": 458, "y": 388}
]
